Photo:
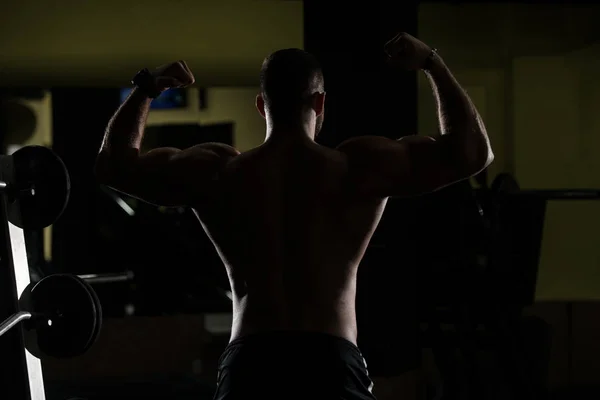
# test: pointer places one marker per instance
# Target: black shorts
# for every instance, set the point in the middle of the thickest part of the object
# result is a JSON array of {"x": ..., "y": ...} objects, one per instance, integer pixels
[{"x": 293, "y": 365}]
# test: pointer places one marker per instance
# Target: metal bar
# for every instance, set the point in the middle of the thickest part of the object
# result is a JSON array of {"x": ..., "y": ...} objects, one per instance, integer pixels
[
  {"x": 108, "y": 278},
  {"x": 5, "y": 187},
  {"x": 13, "y": 368},
  {"x": 570, "y": 344},
  {"x": 13, "y": 320},
  {"x": 559, "y": 194},
  {"x": 119, "y": 201},
  {"x": 22, "y": 280}
]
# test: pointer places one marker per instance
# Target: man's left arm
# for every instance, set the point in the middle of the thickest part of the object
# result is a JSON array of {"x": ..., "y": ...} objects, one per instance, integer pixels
[{"x": 164, "y": 176}]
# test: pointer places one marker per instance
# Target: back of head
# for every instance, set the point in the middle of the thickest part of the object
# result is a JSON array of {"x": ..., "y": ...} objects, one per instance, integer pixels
[{"x": 288, "y": 79}]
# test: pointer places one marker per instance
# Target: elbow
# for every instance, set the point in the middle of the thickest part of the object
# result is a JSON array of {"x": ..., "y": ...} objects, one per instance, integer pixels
[
  {"x": 102, "y": 177},
  {"x": 102, "y": 169},
  {"x": 106, "y": 170},
  {"x": 480, "y": 161},
  {"x": 116, "y": 170},
  {"x": 489, "y": 159},
  {"x": 475, "y": 157}
]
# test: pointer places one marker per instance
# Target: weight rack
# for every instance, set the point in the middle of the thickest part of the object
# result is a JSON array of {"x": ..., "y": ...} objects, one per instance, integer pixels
[{"x": 21, "y": 375}]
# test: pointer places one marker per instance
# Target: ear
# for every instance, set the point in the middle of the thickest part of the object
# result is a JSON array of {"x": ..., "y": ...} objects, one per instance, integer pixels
[
  {"x": 260, "y": 105},
  {"x": 319, "y": 103}
]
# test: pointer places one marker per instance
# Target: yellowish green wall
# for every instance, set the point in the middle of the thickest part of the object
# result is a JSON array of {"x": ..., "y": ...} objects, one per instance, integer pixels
[
  {"x": 558, "y": 139},
  {"x": 531, "y": 70},
  {"x": 223, "y": 104},
  {"x": 89, "y": 43},
  {"x": 42, "y": 109}
]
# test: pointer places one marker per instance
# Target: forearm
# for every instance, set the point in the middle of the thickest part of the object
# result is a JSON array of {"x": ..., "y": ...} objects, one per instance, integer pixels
[
  {"x": 124, "y": 133},
  {"x": 460, "y": 123}
]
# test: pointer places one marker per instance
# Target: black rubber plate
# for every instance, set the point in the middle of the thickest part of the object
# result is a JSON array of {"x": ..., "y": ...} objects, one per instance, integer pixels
[
  {"x": 39, "y": 168},
  {"x": 74, "y": 316}
]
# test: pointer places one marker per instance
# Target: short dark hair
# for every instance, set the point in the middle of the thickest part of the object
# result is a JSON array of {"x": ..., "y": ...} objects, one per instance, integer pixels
[{"x": 288, "y": 78}]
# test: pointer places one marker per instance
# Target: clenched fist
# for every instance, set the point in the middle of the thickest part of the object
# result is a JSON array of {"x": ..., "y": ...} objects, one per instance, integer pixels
[
  {"x": 174, "y": 75},
  {"x": 407, "y": 51}
]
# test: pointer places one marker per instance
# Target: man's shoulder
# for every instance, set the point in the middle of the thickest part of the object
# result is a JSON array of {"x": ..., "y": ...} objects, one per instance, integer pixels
[
  {"x": 220, "y": 148},
  {"x": 359, "y": 147},
  {"x": 361, "y": 142}
]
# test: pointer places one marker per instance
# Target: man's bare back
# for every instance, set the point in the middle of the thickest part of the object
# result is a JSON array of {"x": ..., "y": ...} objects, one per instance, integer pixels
[
  {"x": 291, "y": 219},
  {"x": 291, "y": 229}
]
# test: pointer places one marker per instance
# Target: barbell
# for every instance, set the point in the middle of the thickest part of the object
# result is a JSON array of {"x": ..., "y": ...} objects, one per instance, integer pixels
[
  {"x": 62, "y": 317},
  {"x": 65, "y": 313},
  {"x": 39, "y": 188}
]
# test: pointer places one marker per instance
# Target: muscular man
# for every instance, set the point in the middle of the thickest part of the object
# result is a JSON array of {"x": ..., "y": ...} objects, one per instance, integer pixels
[{"x": 291, "y": 219}]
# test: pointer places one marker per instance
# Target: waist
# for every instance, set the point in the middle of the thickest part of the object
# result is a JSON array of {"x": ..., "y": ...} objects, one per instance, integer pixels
[
  {"x": 253, "y": 316},
  {"x": 293, "y": 365},
  {"x": 280, "y": 345}
]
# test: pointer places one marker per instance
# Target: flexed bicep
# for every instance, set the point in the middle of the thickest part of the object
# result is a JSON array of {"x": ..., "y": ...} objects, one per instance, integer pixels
[
  {"x": 169, "y": 176},
  {"x": 410, "y": 166}
]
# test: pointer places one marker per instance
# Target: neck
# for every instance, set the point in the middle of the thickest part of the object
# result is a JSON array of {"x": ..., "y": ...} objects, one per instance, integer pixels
[{"x": 293, "y": 130}]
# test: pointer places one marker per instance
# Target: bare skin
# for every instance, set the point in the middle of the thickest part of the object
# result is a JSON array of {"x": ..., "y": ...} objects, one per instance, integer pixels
[{"x": 291, "y": 219}]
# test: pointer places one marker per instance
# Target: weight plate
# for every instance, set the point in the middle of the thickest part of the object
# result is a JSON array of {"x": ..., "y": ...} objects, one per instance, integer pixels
[
  {"x": 72, "y": 317},
  {"x": 39, "y": 168},
  {"x": 98, "y": 307}
]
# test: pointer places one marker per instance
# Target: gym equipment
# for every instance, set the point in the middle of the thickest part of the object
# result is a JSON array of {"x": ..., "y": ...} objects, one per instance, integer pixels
[
  {"x": 505, "y": 184},
  {"x": 63, "y": 319},
  {"x": 55, "y": 317},
  {"x": 39, "y": 190},
  {"x": 116, "y": 277}
]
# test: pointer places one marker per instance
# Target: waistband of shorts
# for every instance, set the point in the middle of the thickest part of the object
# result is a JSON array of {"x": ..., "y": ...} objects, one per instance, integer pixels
[
  {"x": 271, "y": 336},
  {"x": 274, "y": 339}
]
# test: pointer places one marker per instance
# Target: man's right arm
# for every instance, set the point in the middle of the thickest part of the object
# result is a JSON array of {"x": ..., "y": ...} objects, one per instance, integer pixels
[{"x": 419, "y": 164}]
